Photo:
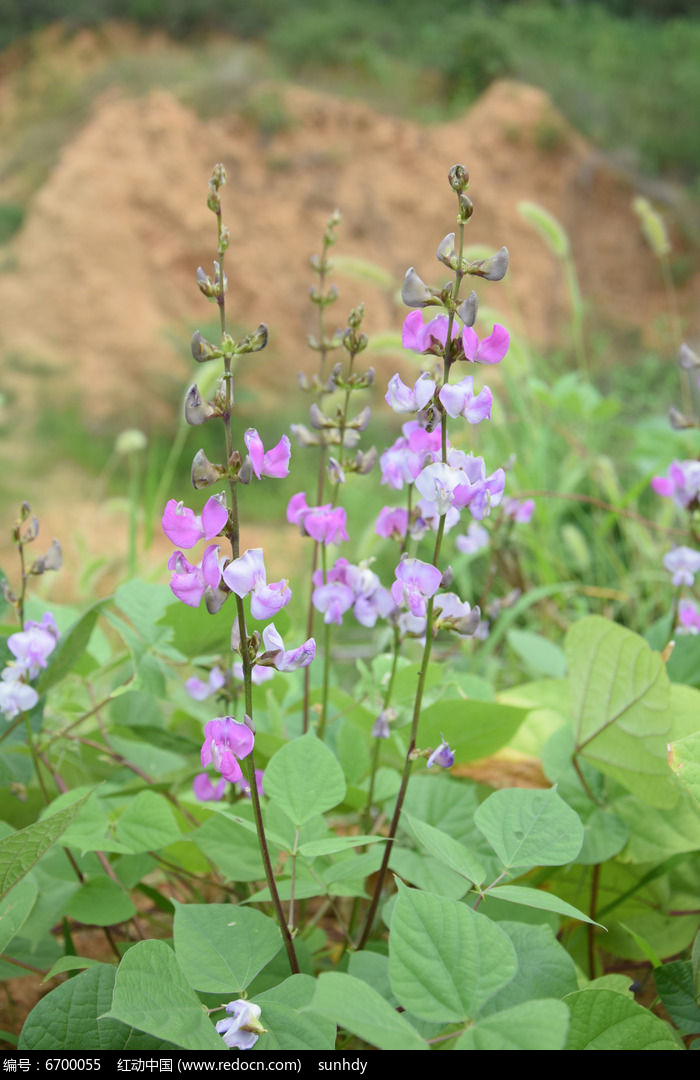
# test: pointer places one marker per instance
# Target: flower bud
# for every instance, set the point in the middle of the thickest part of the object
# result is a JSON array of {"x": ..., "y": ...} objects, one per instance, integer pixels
[
  {"x": 24, "y": 511},
  {"x": 468, "y": 309},
  {"x": 466, "y": 208},
  {"x": 493, "y": 269},
  {"x": 361, "y": 420},
  {"x": 364, "y": 463},
  {"x": 446, "y": 251},
  {"x": 203, "y": 472},
  {"x": 224, "y": 239},
  {"x": 245, "y": 473},
  {"x": 215, "y": 598},
  {"x": 31, "y": 531},
  {"x": 6, "y": 592},
  {"x": 304, "y": 382},
  {"x": 52, "y": 560},
  {"x": 218, "y": 176},
  {"x": 196, "y": 410},
  {"x": 468, "y": 624},
  {"x": 318, "y": 419},
  {"x": 303, "y": 436},
  {"x": 458, "y": 177},
  {"x": 447, "y": 578},
  {"x": 688, "y": 360},
  {"x": 253, "y": 342},
  {"x": 206, "y": 285},
  {"x": 336, "y": 472},
  {"x": 201, "y": 349},
  {"x": 414, "y": 291}
]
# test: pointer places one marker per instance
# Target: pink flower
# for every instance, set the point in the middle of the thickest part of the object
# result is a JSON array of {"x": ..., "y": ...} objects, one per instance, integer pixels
[
  {"x": 490, "y": 350},
  {"x": 333, "y": 600},
  {"x": 459, "y": 399},
  {"x": 325, "y": 524},
  {"x": 682, "y": 563},
  {"x": 225, "y": 741},
  {"x": 424, "y": 337},
  {"x": 688, "y": 618},
  {"x": 520, "y": 511},
  {"x": 32, "y": 647},
  {"x": 199, "y": 690},
  {"x": 392, "y": 522},
  {"x": 188, "y": 582},
  {"x": 275, "y": 462},
  {"x": 404, "y": 400},
  {"x": 682, "y": 483},
  {"x": 205, "y": 791},
  {"x": 184, "y": 528},
  {"x": 277, "y": 656},
  {"x": 415, "y": 583},
  {"x": 247, "y": 575}
]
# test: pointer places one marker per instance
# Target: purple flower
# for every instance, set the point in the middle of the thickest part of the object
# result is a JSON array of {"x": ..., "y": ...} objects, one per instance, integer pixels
[
  {"x": 429, "y": 518},
  {"x": 325, "y": 524},
  {"x": 392, "y": 522},
  {"x": 490, "y": 350},
  {"x": 437, "y": 483},
  {"x": 415, "y": 583},
  {"x": 688, "y": 618},
  {"x": 521, "y": 512},
  {"x": 15, "y": 696},
  {"x": 459, "y": 399},
  {"x": 442, "y": 756},
  {"x": 683, "y": 564},
  {"x": 476, "y": 490},
  {"x": 244, "y": 786},
  {"x": 682, "y": 484},
  {"x": 277, "y": 656},
  {"x": 426, "y": 337},
  {"x": 241, "y": 1028},
  {"x": 476, "y": 538},
  {"x": 32, "y": 647},
  {"x": 205, "y": 791},
  {"x": 184, "y": 528},
  {"x": 188, "y": 582},
  {"x": 404, "y": 400},
  {"x": 380, "y": 730},
  {"x": 333, "y": 600},
  {"x": 225, "y": 741},
  {"x": 275, "y": 462},
  {"x": 451, "y": 613},
  {"x": 247, "y": 575},
  {"x": 199, "y": 690}
]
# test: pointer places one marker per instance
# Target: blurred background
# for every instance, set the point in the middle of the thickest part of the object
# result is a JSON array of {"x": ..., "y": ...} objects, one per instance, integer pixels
[{"x": 112, "y": 115}]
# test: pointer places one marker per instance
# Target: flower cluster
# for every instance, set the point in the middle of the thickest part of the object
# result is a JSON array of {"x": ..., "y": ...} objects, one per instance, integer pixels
[
  {"x": 324, "y": 524},
  {"x": 31, "y": 648},
  {"x": 347, "y": 586}
]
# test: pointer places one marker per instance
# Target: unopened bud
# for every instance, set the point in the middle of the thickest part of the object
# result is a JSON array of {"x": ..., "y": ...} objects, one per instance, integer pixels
[
  {"x": 414, "y": 291},
  {"x": 206, "y": 285},
  {"x": 688, "y": 360},
  {"x": 304, "y": 382},
  {"x": 215, "y": 598},
  {"x": 201, "y": 349},
  {"x": 468, "y": 624},
  {"x": 356, "y": 316},
  {"x": 24, "y": 511},
  {"x": 31, "y": 532},
  {"x": 224, "y": 239},
  {"x": 466, "y": 208},
  {"x": 218, "y": 176},
  {"x": 196, "y": 410},
  {"x": 468, "y": 309},
  {"x": 446, "y": 251},
  {"x": 303, "y": 436},
  {"x": 318, "y": 419},
  {"x": 447, "y": 578},
  {"x": 6, "y": 592},
  {"x": 52, "y": 560},
  {"x": 361, "y": 420},
  {"x": 459, "y": 178},
  {"x": 364, "y": 463},
  {"x": 245, "y": 473},
  {"x": 336, "y": 472},
  {"x": 203, "y": 472},
  {"x": 253, "y": 342},
  {"x": 493, "y": 269}
]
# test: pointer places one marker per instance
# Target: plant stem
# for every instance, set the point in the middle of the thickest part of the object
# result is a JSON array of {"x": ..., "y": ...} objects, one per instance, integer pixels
[{"x": 366, "y": 817}]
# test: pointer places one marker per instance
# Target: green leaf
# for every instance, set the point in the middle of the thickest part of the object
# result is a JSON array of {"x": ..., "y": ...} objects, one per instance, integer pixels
[
  {"x": 474, "y": 729},
  {"x": 352, "y": 1004},
  {"x": 530, "y": 828},
  {"x": 70, "y": 1018},
  {"x": 304, "y": 779},
  {"x": 70, "y": 963},
  {"x": 604, "y": 835},
  {"x": 533, "y": 1025},
  {"x": 69, "y": 649},
  {"x": 152, "y": 994},
  {"x": 445, "y": 960},
  {"x": 15, "y": 908},
  {"x": 144, "y": 604},
  {"x": 222, "y": 947},
  {"x": 684, "y": 759},
  {"x": 448, "y": 851},
  {"x": 290, "y": 1023},
  {"x": 545, "y": 968},
  {"x": 22, "y": 850},
  {"x": 540, "y": 655},
  {"x": 100, "y": 902},
  {"x": 427, "y": 873},
  {"x": 337, "y": 843},
  {"x": 606, "y": 1020},
  {"x": 620, "y": 699},
  {"x": 536, "y": 898},
  {"x": 147, "y": 824},
  {"x": 674, "y": 981},
  {"x": 657, "y": 834},
  {"x": 232, "y": 850}
]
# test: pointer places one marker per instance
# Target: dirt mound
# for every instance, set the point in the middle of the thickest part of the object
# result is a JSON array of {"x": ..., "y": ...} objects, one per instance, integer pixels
[{"x": 105, "y": 262}]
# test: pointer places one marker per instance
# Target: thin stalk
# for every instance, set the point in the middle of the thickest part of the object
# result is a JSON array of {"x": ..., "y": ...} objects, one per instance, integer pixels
[
  {"x": 293, "y": 881},
  {"x": 134, "y": 485},
  {"x": 590, "y": 928},
  {"x": 366, "y": 817}
]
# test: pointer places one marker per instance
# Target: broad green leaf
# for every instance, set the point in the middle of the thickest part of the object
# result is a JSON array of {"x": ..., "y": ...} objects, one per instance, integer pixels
[
  {"x": 144, "y": 604},
  {"x": 372, "y": 968},
  {"x": 656, "y": 834},
  {"x": 304, "y": 779},
  {"x": 353, "y": 752},
  {"x": 337, "y": 843},
  {"x": 685, "y": 708},
  {"x": 290, "y": 1023},
  {"x": 530, "y": 828},
  {"x": 545, "y": 968},
  {"x": 448, "y": 851},
  {"x": 152, "y": 994},
  {"x": 100, "y": 902},
  {"x": 674, "y": 981},
  {"x": 70, "y": 963},
  {"x": 474, "y": 729},
  {"x": 684, "y": 758},
  {"x": 536, "y": 898},
  {"x": 427, "y": 873},
  {"x": 232, "y": 850},
  {"x": 540, "y": 655},
  {"x": 69, "y": 649},
  {"x": 352, "y": 1004},
  {"x": 620, "y": 703},
  {"x": 147, "y": 824},
  {"x": 533, "y": 1025},
  {"x": 22, "y": 850},
  {"x": 71, "y": 1018},
  {"x": 445, "y": 960},
  {"x": 604, "y": 835},
  {"x": 443, "y": 802},
  {"x": 15, "y": 908},
  {"x": 222, "y": 947},
  {"x": 606, "y": 1020}
]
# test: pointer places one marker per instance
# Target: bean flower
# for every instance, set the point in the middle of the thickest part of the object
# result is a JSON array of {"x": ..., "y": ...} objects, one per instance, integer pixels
[
  {"x": 241, "y": 1028},
  {"x": 277, "y": 656},
  {"x": 225, "y": 742},
  {"x": 185, "y": 528},
  {"x": 246, "y": 575},
  {"x": 415, "y": 583},
  {"x": 324, "y": 524},
  {"x": 190, "y": 582},
  {"x": 274, "y": 462}
]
